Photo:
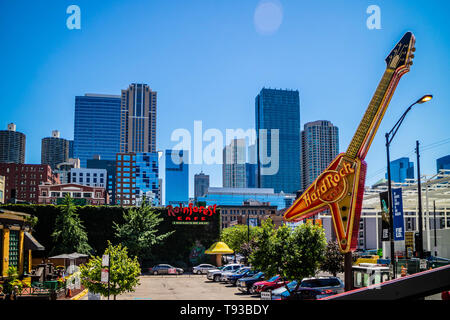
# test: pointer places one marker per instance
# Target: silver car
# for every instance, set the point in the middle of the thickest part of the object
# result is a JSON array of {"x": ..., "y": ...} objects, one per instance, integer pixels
[
  {"x": 215, "y": 275},
  {"x": 324, "y": 283},
  {"x": 203, "y": 268}
]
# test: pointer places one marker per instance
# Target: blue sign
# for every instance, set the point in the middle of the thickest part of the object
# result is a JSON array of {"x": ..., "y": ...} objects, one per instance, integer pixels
[{"x": 397, "y": 208}]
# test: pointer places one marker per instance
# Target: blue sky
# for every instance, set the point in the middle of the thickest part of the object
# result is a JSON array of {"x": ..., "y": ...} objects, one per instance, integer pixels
[{"x": 207, "y": 61}]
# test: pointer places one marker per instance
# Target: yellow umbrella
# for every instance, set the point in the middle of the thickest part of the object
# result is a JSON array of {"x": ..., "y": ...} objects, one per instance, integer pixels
[{"x": 218, "y": 249}]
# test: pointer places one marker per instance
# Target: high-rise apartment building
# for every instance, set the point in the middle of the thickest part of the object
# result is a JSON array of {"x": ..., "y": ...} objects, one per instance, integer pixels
[
  {"x": 233, "y": 167},
  {"x": 320, "y": 145},
  {"x": 177, "y": 177},
  {"x": 137, "y": 178},
  {"x": 54, "y": 150},
  {"x": 138, "y": 119},
  {"x": 277, "y": 115},
  {"x": 201, "y": 184},
  {"x": 401, "y": 169},
  {"x": 12, "y": 145},
  {"x": 96, "y": 127}
]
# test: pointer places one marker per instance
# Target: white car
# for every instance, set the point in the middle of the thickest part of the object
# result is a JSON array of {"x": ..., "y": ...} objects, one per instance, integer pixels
[
  {"x": 203, "y": 268},
  {"x": 216, "y": 274}
]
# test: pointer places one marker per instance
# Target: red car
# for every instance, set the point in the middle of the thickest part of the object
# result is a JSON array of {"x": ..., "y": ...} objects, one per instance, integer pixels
[{"x": 268, "y": 285}]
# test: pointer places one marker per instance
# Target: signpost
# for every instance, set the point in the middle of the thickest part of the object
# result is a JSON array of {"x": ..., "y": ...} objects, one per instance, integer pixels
[{"x": 105, "y": 275}]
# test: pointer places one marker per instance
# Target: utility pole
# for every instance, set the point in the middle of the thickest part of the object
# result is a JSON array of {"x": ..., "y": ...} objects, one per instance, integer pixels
[
  {"x": 435, "y": 236},
  {"x": 419, "y": 192}
]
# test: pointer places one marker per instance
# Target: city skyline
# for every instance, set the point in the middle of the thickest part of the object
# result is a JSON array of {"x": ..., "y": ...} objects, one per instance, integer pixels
[{"x": 48, "y": 63}]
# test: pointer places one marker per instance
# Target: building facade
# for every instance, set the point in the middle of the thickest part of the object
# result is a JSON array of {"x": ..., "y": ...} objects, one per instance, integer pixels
[
  {"x": 2, "y": 189},
  {"x": 54, "y": 150},
  {"x": 177, "y": 177},
  {"x": 63, "y": 169},
  {"x": 138, "y": 119},
  {"x": 137, "y": 178},
  {"x": 201, "y": 184},
  {"x": 89, "y": 177},
  {"x": 22, "y": 180},
  {"x": 401, "y": 169},
  {"x": 238, "y": 196},
  {"x": 233, "y": 167},
  {"x": 250, "y": 212},
  {"x": 12, "y": 145},
  {"x": 443, "y": 163},
  {"x": 277, "y": 114},
  {"x": 320, "y": 145},
  {"x": 81, "y": 195},
  {"x": 110, "y": 167},
  {"x": 96, "y": 127}
]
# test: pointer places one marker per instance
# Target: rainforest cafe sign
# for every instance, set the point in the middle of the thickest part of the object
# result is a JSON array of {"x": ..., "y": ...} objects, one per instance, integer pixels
[
  {"x": 190, "y": 214},
  {"x": 330, "y": 187}
]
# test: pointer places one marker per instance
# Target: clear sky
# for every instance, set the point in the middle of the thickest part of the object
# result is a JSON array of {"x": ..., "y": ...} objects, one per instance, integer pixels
[{"x": 209, "y": 59}]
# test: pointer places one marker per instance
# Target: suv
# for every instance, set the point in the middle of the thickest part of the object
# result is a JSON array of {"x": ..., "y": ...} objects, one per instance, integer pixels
[
  {"x": 203, "y": 268},
  {"x": 324, "y": 283},
  {"x": 165, "y": 269},
  {"x": 215, "y": 274}
]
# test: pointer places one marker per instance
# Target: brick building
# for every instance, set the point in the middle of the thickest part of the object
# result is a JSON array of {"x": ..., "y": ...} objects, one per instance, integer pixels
[
  {"x": 82, "y": 195},
  {"x": 22, "y": 180},
  {"x": 255, "y": 211}
]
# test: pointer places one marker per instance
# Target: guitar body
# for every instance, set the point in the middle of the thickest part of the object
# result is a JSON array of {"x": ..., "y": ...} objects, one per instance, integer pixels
[
  {"x": 340, "y": 188},
  {"x": 334, "y": 189}
]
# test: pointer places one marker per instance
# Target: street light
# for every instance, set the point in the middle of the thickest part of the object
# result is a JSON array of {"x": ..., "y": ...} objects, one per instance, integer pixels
[{"x": 389, "y": 136}]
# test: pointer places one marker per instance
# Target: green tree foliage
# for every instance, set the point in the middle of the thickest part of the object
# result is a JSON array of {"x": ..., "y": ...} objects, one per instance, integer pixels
[
  {"x": 69, "y": 234},
  {"x": 236, "y": 236},
  {"x": 124, "y": 272},
  {"x": 293, "y": 255},
  {"x": 139, "y": 233},
  {"x": 333, "y": 260}
]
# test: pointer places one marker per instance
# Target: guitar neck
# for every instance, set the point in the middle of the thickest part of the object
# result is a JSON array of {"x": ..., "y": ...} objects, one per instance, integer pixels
[{"x": 369, "y": 120}]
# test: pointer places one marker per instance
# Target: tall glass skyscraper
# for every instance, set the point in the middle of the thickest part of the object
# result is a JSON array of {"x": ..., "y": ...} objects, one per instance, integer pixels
[
  {"x": 443, "y": 163},
  {"x": 97, "y": 127},
  {"x": 233, "y": 167},
  {"x": 177, "y": 177},
  {"x": 401, "y": 169},
  {"x": 278, "y": 109},
  {"x": 147, "y": 182},
  {"x": 320, "y": 145}
]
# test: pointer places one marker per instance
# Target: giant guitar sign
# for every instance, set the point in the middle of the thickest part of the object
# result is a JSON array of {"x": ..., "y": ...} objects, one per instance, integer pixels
[{"x": 340, "y": 187}]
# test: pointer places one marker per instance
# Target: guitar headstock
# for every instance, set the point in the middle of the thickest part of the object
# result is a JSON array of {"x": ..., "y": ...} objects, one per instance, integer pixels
[{"x": 403, "y": 53}]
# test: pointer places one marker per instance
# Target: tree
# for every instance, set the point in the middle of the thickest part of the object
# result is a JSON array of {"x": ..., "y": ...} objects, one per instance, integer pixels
[
  {"x": 293, "y": 255},
  {"x": 334, "y": 260},
  {"x": 139, "y": 233},
  {"x": 124, "y": 272},
  {"x": 236, "y": 238},
  {"x": 69, "y": 234}
]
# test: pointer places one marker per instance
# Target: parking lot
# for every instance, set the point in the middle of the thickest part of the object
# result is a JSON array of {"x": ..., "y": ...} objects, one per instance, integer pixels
[{"x": 184, "y": 287}]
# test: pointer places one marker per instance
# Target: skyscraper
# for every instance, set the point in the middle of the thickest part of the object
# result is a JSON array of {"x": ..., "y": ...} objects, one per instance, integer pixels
[
  {"x": 138, "y": 119},
  {"x": 278, "y": 112},
  {"x": 97, "y": 127},
  {"x": 201, "y": 184},
  {"x": 401, "y": 169},
  {"x": 320, "y": 145},
  {"x": 54, "y": 150},
  {"x": 233, "y": 167},
  {"x": 12, "y": 145},
  {"x": 177, "y": 177},
  {"x": 443, "y": 163},
  {"x": 110, "y": 167}
]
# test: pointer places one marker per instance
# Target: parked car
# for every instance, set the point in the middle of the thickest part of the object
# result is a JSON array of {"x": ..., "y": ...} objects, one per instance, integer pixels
[
  {"x": 216, "y": 274},
  {"x": 225, "y": 274},
  {"x": 245, "y": 284},
  {"x": 304, "y": 293},
  {"x": 273, "y": 283},
  {"x": 324, "y": 283},
  {"x": 233, "y": 278},
  {"x": 165, "y": 269},
  {"x": 203, "y": 268},
  {"x": 276, "y": 294}
]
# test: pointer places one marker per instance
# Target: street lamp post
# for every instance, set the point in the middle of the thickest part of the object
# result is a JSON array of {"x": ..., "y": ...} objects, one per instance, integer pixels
[{"x": 389, "y": 136}]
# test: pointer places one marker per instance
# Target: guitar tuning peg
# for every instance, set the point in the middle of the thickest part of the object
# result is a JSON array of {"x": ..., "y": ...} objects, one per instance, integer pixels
[
  {"x": 412, "y": 56},
  {"x": 413, "y": 49},
  {"x": 410, "y": 63}
]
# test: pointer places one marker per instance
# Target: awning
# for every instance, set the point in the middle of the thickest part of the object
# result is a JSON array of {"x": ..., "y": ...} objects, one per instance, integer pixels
[
  {"x": 219, "y": 248},
  {"x": 30, "y": 243}
]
